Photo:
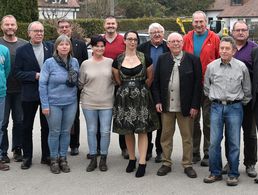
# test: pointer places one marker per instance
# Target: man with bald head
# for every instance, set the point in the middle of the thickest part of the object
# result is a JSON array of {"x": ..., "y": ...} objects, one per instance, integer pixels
[
  {"x": 177, "y": 94},
  {"x": 28, "y": 62}
]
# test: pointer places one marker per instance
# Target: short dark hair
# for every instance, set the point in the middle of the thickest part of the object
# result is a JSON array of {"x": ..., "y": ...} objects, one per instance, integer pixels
[
  {"x": 97, "y": 38},
  {"x": 64, "y": 20},
  {"x": 132, "y": 31}
]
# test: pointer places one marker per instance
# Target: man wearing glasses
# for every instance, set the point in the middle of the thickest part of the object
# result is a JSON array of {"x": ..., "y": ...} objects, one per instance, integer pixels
[
  {"x": 177, "y": 94},
  {"x": 153, "y": 49},
  {"x": 28, "y": 62},
  {"x": 240, "y": 33}
]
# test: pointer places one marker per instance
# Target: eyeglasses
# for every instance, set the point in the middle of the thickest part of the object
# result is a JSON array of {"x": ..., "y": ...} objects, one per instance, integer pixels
[
  {"x": 239, "y": 30},
  {"x": 37, "y": 31},
  {"x": 132, "y": 39}
]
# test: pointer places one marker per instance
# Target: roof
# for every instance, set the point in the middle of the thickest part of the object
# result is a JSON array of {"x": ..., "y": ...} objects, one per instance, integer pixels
[
  {"x": 69, "y": 4},
  {"x": 248, "y": 9}
]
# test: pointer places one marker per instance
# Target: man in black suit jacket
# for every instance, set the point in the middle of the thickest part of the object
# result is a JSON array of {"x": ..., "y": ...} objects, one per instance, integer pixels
[
  {"x": 28, "y": 62},
  {"x": 177, "y": 94},
  {"x": 153, "y": 49},
  {"x": 81, "y": 54}
]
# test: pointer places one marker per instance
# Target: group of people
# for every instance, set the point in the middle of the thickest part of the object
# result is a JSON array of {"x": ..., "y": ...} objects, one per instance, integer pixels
[{"x": 135, "y": 89}]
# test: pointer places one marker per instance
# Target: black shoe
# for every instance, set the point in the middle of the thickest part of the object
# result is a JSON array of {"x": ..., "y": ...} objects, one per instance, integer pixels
[
  {"x": 17, "y": 155},
  {"x": 131, "y": 166},
  {"x": 54, "y": 166},
  {"x": 5, "y": 159},
  {"x": 205, "y": 161},
  {"x": 125, "y": 154},
  {"x": 45, "y": 161},
  {"x": 196, "y": 157},
  {"x": 190, "y": 172},
  {"x": 148, "y": 156},
  {"x": 141, "y": 170},
  {"x": 74, "y": 151},
  {"x": 26, "y": 163},
  {"x": 158, "y": 158},
  {"x": 63, "y": 164},
  {"x": 163, "y": 170},
  {"x": 93, "y": 164},
  {"x": 103, "y": 163}
]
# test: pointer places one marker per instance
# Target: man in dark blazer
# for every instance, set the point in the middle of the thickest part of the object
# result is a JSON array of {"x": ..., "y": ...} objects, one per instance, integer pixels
[
  {"x": 177, "y": 94},
  {"x": 153, "y": 49},
  {"x": 64, "y": 26},
  {"x": 28, "y": 62}
]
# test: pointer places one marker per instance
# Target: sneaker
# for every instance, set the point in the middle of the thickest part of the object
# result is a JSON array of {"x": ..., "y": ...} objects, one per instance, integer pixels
[
  {"x": 225, "y": 169},
  {"x": 212, "y": 178},
  {"x": 17, "y": 155},
  {"x": 205, "y": 161},
  {"x": 196, "y": 157},
  {"x": 5, "y": 159},
  {"x": 250, "y": 171},
  {"x": 232, "y": 181}
]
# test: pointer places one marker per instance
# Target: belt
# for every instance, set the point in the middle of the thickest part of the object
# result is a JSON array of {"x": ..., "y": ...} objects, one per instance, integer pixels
[
  {"x": 133, "y": 83},
  {"x": 226, "y": 102}
]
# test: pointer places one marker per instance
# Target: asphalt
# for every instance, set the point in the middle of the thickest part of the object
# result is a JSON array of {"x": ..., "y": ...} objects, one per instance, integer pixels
[{"x": 40, "y": 181}]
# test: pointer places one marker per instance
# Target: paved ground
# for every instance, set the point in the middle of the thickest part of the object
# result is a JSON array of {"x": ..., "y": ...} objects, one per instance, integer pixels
[{"x": 38, "y": 179}]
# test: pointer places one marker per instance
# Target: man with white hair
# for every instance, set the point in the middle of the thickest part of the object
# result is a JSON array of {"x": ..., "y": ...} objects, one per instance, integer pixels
[
  {"x": 177, "y": 94},
  {"x": 153, "y": 49}
]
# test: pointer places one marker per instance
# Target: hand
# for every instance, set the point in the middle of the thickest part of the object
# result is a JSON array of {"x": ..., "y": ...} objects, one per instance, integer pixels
[
  {"x": 46, "y": 111},
  {"x": 193, "y": 113},
  {"x": 37, "y": 76},
  {"x": 159, "y": 107}
]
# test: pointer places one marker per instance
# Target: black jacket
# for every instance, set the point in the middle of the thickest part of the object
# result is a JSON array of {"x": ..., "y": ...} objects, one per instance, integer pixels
[
  {"x": 190, "y": 76},
  {"x": 79, "y": 50},
  {"x": 146, "y": 48},
  {"x": 25, "y": 68}
]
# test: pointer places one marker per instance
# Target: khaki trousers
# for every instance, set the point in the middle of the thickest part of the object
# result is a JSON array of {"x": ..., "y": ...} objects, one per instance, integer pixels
[{"x": 185, "y": 124}]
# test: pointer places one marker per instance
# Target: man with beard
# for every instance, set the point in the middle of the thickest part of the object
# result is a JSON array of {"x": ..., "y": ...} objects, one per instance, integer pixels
[{"x": 13, "y": 93}]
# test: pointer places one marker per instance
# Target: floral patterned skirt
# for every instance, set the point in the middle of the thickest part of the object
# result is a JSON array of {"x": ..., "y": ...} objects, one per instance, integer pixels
[{"x": 134, "y": 110}]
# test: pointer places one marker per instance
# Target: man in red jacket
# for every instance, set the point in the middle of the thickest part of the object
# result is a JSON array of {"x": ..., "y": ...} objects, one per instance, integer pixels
[{"x": 205, "y": 44}]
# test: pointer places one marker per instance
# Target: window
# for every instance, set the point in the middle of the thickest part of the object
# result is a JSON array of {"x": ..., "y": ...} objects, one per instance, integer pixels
[{"x": 236, "y": 2}]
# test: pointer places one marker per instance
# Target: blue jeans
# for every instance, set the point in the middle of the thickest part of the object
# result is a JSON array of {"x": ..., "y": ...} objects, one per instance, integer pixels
[
  {"x": 12, "y": 103},
  {"x": 60, "y": 121},
  {"x": 105, "y": 120},
  {"x": 2, "y": 105},
  {"x": 231, "y": 116}
]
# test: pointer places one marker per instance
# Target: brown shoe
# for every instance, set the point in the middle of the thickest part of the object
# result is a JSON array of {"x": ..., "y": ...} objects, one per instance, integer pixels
[
  {"x": 212, "y": 178},
  {"x": 4, "y": 167},
  {"x": 190, "y": 172},
  {"x": 163, "y": 170}
]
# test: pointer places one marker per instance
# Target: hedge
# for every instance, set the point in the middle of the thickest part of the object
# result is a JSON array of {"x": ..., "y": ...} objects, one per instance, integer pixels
[{"x": 95, "y": 26}]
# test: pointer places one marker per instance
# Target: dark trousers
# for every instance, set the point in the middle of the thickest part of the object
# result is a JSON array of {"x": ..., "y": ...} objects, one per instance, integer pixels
[
  {"x": 13, "y": 106},
  {"x": 157, "y": 140},
  {"x": 250, "y": 136},
  {"x": 75, "y": 130},
  {"x": 29, "y": 112}
]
